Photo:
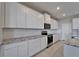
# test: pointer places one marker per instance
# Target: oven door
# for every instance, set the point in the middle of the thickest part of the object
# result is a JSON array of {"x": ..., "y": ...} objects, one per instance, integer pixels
[{"x": 50, "y": 39}]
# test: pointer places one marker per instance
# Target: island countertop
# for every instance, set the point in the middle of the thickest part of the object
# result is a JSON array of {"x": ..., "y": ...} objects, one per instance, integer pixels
[{"x": 71, "y": 42}]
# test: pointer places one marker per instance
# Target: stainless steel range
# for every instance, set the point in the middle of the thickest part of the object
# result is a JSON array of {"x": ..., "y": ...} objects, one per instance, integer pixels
[{"x": 49, "y": 38}]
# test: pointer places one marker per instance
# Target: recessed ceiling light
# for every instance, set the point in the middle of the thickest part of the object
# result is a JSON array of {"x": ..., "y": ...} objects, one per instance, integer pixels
[
  {"x": 58, "y": 7},
  {"x": 64, "y": 14}
]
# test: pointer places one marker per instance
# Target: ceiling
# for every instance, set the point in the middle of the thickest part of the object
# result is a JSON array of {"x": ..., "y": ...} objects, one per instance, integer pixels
[{"x": 69, "y": 8}]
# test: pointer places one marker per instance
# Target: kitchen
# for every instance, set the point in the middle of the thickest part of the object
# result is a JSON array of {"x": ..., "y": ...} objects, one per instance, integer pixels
[{"x": 29, "y": 29}]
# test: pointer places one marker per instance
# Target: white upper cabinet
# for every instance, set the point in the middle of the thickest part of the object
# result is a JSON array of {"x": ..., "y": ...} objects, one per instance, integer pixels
[
  {"x": 54, "y": 24},
  {"x": 75, "y": 23},
  {"x": 31, "y": 18},
  {"x": 34, "y": 19},
  {"x": 15, "y": 15},
  {"x": 40, "y": 21},
  {"x": 1, "y": 20},
  {"x": 11, "y": 15},
  {"x": 1, "y": 14},
  {"x": 47, "y": 18},
  {"x": 21, "y": 16}
]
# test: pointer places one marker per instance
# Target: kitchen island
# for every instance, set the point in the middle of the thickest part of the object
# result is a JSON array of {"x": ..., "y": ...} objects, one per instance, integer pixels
[{"x": 71, "y": 48}]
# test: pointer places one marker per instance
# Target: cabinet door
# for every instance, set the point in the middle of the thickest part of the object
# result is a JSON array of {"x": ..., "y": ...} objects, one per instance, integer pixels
[
  {"x": 23, "y": 49},
  {"x": 40, "y": 21},
  {"x": 43, "y": 42},
  {"x": 34, "y": 46},
  {"x": 20, "y": 16},
  {"x": 11, "y": 52},
  {"x": 31, "y": 19},
  {"x": 55, "y": 38},
  {"x": 52, "y": 23},
  {"x": 1, "y": 14},
  {"x": 56, "y": 24},
  {"x": 47, "y": 18},
  {"x": 1, "y": 37},
  {"x": 11, "y": 15},
  {"x": 75, "y": 22},
  {"x": 34, "y": 19}
]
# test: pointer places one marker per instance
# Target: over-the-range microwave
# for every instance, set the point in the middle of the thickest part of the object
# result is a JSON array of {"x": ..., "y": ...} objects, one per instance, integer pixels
[{"x": 47, "y": 26}]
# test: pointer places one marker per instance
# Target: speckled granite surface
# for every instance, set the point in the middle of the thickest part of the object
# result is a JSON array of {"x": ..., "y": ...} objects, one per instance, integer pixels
[
  {"x": 72, "y": 42},
  {"x": 16, "y": 40}
]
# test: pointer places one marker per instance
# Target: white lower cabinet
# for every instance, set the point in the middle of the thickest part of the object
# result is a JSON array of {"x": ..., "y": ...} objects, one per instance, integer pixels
[
  {"x": 34, "y": 46},
  {"x": 25, "y": 48},
  {"x": 1, "y": 35},
  {"x": 11, "y": 52},
  {"x": 15, "y": 50},
  {"x": 44, "y": 42},
  {"x": 55, "y": 38}
]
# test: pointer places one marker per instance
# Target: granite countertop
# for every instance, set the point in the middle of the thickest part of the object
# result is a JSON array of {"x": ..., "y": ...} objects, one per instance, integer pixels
[
  {"x": 72, "y": 42},
  {"x": 20, "y": 39}
]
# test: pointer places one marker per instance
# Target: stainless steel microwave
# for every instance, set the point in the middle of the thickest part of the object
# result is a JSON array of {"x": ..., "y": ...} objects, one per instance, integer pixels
[{"x": 47, "y": 26}]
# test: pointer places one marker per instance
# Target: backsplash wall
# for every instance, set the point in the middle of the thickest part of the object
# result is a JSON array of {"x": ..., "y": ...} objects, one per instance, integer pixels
[{"x": 14, "y": 33}]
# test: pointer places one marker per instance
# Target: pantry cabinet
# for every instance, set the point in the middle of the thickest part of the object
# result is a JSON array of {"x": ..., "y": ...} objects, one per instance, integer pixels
[{"x": 75, "y": 23}]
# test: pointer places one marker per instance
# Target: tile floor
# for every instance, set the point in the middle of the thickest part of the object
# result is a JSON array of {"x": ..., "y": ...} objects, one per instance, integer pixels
[{"x": 56, "y": 50}]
